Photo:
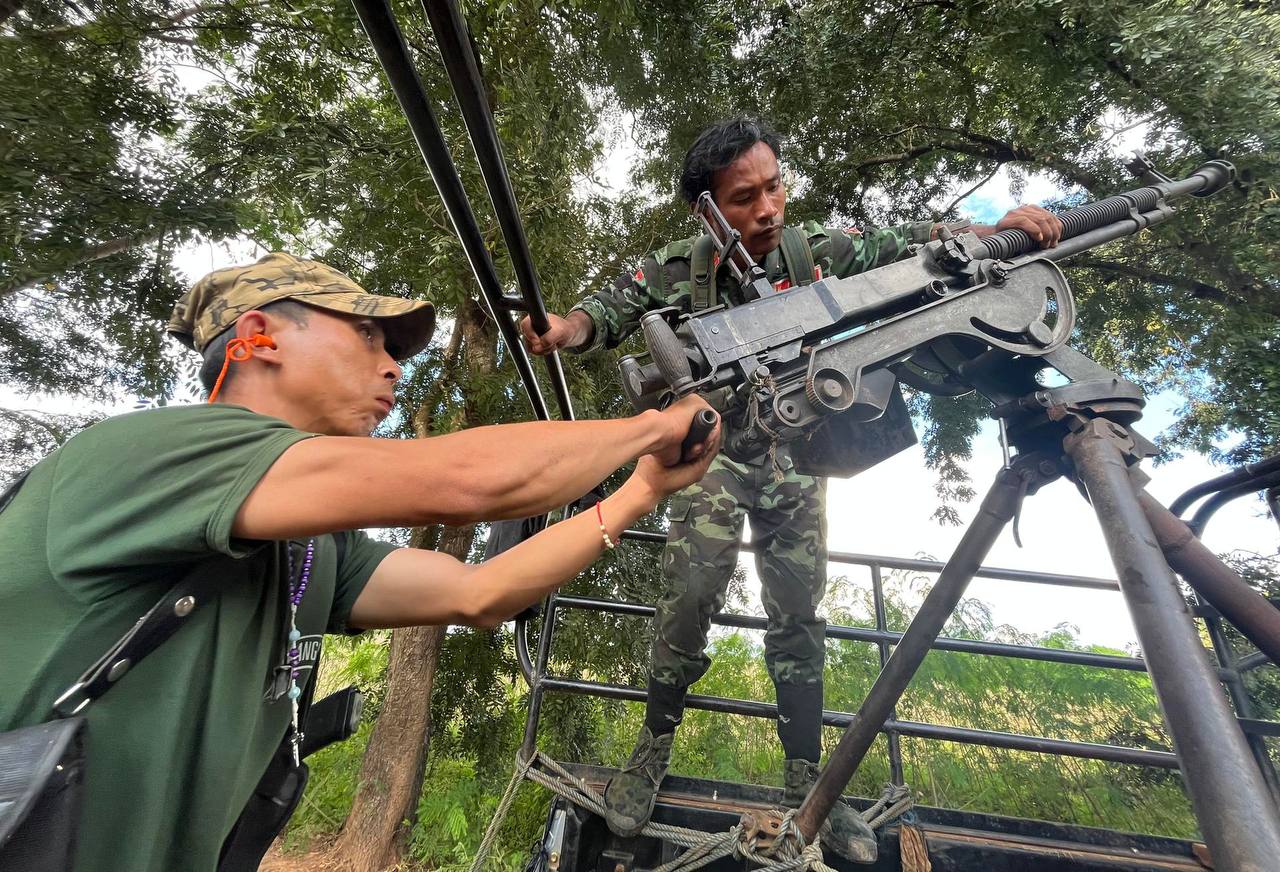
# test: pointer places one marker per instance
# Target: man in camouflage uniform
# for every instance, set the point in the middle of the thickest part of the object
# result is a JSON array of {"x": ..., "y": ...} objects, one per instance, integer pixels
[{"x": 737, "y": 161}]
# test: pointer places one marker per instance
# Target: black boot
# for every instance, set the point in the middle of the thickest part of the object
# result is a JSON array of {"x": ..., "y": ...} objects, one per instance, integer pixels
[
  {"x": 844, "y": 831},
  {"x": 800, "y": 730},
  {"x": 630, "y": 795}
]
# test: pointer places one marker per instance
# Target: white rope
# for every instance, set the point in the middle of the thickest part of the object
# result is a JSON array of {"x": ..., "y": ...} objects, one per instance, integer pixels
[
  {"x": 491, "y": 834},
  {"x": 789, "y": 853}
]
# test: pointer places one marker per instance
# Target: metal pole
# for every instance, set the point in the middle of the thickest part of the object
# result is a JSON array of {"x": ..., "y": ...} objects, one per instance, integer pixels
[
  {"x": 1240, "y": 699},
  {"x": 454, "y": 42},
  {"x": 882, "y": 624},
  {"x": 1210, "y": 506},
  {"x": 997, "y": 511},
  {"x": 1221, "y": 586},
  {"x": 388, "y": 43},
  {"x": 1240, "y": 475},
  {"x": 536, "y": 689},
  {"x": 1235, "y": 812}
]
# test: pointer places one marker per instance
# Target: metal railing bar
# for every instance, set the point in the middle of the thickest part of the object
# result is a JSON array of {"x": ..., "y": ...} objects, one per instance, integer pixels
[
  {"x": 393, "y": 53},
  {"x": 882, "y": 624},
  {"x": 887, "y": 562},
  {"x": 1252, "y": 662},
  {"x": 989, "y": 738},
  {"x": 869, "y": 634},
  {"x": 1241, "y": 475},
  {"x": 454, "y": 43},
  {"x": 1258, "y": 727}
]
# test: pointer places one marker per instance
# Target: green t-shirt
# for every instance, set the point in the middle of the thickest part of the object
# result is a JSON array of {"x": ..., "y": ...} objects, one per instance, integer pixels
[{"x": 101, "y": 529}]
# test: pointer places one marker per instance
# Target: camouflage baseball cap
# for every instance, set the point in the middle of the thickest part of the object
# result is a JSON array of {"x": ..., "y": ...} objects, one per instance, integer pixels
[{"x": 215, "y": 302}]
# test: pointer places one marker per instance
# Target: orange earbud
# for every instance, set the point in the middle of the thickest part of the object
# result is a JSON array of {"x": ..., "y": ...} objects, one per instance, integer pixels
[{"x": 240, "y": 350}]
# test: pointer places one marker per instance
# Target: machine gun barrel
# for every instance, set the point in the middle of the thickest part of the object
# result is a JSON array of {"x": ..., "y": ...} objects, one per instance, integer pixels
[
  {"x": 1080, "y": 225},
  {"x": 947, "y": 319}
]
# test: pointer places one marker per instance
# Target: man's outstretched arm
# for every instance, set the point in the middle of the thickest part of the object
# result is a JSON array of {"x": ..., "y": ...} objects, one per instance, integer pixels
[
  {"x": 412, "y": 586},
  {"x": 333, "y": 483},
  {"x": 600, "y": 320}
]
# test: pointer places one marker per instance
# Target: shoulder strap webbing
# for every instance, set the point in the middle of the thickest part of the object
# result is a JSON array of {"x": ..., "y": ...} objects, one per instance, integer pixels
[
  {"x": 152, "y": 630},
  {"x": 653, "y": 276},
  {"x": 773, "y": 264},
  {"x": 798, "y": 255},
  {"x": 12, "y": 490},
  {"x": 702, "y": 273},
  {"x": 340, "y": 542}
]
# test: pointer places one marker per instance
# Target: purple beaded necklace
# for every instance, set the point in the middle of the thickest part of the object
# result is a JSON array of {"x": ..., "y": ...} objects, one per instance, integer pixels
[{"x": 296, "y": 590}]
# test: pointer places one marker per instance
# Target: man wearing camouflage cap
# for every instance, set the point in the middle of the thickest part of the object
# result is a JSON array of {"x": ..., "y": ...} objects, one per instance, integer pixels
[
  {"x": 106, "y": 524},
  {"x": 737, "y": 161}
]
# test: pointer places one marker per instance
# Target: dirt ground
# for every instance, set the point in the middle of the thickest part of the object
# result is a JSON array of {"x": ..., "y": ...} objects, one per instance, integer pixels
[
  {"x": 313, "y": 861},
  {"x": 318, "y": 859}
]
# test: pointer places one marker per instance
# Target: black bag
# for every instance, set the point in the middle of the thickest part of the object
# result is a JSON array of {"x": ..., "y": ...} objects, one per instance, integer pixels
[
  {"x": 41, "y": 767},
  {"x": 41, "y": 779}
]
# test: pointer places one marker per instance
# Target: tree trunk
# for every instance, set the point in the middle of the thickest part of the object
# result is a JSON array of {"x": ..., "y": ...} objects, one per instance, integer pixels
[
  {"x": 377, "y": 828},
  {"x": 88, "y": 255},
  {"x": 391, "y": 772}
]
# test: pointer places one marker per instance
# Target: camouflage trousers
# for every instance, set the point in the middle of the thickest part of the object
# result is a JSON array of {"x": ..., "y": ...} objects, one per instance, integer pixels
[{"x": 789, "y": 531}]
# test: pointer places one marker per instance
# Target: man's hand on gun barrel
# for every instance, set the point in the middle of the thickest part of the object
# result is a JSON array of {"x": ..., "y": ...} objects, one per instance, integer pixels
[{"x": 1040, "y": 224}]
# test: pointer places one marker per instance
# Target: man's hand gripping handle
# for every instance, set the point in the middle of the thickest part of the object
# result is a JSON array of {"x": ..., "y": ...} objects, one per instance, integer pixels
[{"x": 700, "y": 428}]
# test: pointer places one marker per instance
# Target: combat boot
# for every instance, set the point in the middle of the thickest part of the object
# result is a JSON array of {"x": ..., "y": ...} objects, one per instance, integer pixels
[
  {"x": 630, "y": 795},
  {"x": 844, "y": 831}
]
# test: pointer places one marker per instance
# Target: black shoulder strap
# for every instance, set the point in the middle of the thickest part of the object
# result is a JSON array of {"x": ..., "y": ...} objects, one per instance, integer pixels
[
  {"x": 12, "y": 490},
  {"x": 152, "y": 629},
  {"x": 653, "y": 276},
  {"x": 340, "y": 542}
]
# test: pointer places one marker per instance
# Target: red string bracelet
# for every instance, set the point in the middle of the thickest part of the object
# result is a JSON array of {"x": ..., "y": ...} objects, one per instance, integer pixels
[{"x": 608, "y": 543}]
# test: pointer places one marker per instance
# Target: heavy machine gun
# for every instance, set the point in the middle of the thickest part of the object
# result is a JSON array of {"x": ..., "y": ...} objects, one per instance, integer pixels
[
  {"x": 960, "y": 314},
  {"x": 823, "y": 362}
]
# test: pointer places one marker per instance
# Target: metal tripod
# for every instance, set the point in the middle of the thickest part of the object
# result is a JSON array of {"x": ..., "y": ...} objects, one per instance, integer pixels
[{"x": 1082, "y": 431}]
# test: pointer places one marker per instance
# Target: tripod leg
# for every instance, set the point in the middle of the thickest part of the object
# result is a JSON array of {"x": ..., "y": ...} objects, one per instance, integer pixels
[
  {"x": 1221, "y": 587},
  {"x": 998, "y": 508},
  {"x": 1236, "y": 815},
  {"x": 1218, "y": 583}
]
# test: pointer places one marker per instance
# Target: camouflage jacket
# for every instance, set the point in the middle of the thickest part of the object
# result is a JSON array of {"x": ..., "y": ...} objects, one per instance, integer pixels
[{"x": 616, "y": 310}]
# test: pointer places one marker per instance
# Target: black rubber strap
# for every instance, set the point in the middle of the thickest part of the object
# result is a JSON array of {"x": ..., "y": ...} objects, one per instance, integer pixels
[
  {"x": 173, "y": 610},
  {"x": 12, "y": 490}
]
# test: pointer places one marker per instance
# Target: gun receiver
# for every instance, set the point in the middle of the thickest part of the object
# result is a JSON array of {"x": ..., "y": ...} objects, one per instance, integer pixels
[{"x": 959, "y": 314}]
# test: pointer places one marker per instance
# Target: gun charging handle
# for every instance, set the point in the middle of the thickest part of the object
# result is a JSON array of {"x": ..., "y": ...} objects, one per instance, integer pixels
[
  {"x": 642, "y": 383},
  {"x": 667, "y": 352},
  {"x": 703, "y": 423}
]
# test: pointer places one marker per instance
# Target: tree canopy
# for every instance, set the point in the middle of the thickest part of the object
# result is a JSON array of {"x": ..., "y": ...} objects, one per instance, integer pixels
[{"x": 272, "y": 121}]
